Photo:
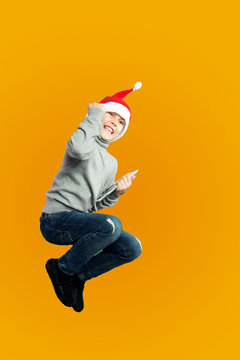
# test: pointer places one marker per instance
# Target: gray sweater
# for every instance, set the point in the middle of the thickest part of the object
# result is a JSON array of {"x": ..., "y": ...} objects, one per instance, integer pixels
[{"x": 85, "y": 181}]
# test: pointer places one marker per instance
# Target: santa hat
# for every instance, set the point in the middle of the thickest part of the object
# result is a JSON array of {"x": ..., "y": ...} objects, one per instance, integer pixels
[{"x": 116, "y": 104}]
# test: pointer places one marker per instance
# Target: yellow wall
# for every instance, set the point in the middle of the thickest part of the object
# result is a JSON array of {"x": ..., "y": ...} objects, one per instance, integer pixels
[{"x": 180, "y": 299}]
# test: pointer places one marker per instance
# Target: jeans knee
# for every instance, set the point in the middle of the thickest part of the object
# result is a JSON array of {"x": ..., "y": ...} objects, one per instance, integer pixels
[
  {"x": 113, "y": 226},
  {"x": 134, "y": 249}
]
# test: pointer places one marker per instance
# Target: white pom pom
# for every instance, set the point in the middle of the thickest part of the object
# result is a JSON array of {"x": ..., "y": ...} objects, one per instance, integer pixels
[{"x": 137, "y": 85}]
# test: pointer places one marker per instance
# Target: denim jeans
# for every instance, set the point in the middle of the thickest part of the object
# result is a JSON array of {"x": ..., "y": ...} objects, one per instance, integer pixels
[{"x": 98, "y": 241}]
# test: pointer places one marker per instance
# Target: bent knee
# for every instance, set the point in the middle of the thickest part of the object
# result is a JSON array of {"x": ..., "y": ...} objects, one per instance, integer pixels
[
  {"x": 112, "y": 225},
  {"x": 135, "y": 248}
]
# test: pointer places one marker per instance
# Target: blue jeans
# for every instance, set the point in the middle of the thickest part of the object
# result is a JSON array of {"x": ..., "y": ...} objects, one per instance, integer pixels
[{"x": 98, "y": 241}]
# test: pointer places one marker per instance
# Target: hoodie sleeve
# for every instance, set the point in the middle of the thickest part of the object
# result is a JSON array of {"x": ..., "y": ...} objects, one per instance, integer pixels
[
  {"x": 108, "y": 201},
  {"x": 109, "y": 196},
  {"x": 82, "y": 141}
]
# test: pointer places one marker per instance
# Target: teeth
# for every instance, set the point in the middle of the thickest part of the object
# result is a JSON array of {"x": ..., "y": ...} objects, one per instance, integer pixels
[{"x": 109, "y": 129}]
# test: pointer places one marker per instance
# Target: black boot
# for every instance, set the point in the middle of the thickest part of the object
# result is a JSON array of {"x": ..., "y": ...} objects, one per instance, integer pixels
[
  {"x": 79, "y": 286},
  {"x": 62, "y": 283}
]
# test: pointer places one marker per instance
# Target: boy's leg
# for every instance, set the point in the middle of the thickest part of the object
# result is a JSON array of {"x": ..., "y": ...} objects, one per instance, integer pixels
[
  {"x": 126, "y": 248},
  {"x": 87, "y": 233},
  {"x": 100, "y": 231},
  {"x": 98, "y": 242}
]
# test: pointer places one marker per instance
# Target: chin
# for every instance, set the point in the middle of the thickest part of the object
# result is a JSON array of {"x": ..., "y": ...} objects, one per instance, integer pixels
[
  {"x": 104, "y": 138},
  {"x": 107, "y": 138}
]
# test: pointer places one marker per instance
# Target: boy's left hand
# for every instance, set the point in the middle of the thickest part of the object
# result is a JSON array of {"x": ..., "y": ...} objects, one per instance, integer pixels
[{"x": 124, "y": 184}]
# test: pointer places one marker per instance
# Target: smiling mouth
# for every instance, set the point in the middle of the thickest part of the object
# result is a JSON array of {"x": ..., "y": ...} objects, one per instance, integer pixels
[{"x": 107, "y": 129}]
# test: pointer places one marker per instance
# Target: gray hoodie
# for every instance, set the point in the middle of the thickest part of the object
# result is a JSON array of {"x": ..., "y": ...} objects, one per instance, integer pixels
[{"x": 85, "y": 181}]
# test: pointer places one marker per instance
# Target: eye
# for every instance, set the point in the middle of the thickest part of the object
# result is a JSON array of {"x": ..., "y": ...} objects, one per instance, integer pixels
[{"x": 122, "y": 122}]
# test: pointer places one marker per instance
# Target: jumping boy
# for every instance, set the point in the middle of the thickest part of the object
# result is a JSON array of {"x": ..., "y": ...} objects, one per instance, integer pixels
[{"x": 83, "y": 185}]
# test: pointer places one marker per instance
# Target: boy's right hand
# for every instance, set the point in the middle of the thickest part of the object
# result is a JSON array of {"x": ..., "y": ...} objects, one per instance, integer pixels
[{"x": 96, "y": 105}]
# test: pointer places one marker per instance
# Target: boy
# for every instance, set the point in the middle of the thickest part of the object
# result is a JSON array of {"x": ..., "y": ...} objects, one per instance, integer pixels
[{"x": 84, "y": 184}]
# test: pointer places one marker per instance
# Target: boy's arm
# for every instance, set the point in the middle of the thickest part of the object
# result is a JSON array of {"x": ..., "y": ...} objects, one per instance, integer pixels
[
  {"x": 82, "y": 141},
  {"x": 109, "y": 200}
]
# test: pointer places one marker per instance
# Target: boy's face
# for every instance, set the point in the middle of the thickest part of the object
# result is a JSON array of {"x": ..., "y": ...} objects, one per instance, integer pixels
[{"x": 115, "y": 121}]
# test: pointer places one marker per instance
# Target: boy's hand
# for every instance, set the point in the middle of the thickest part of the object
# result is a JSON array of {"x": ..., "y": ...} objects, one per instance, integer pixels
[
  {"x": 124, "y": 184},
  {"x": 96, "y": 105}
]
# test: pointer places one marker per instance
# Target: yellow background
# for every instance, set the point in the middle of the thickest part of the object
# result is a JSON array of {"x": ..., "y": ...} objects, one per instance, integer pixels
[{"x": 180, "y": 298}]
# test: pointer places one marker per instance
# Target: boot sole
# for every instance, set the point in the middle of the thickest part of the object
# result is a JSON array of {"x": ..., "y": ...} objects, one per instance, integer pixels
[
  {"x": 52, "y": 272},
  {"x": 76, "y": 307}
]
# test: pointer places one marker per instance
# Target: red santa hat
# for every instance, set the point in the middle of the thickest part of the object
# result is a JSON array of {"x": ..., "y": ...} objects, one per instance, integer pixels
[{"x": 116, "y": 104}]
